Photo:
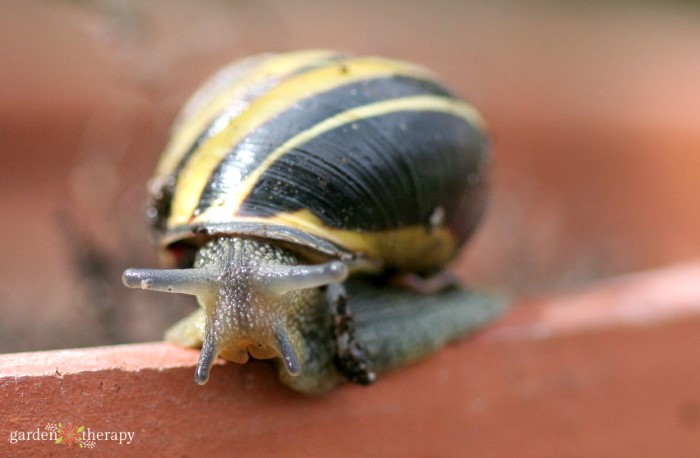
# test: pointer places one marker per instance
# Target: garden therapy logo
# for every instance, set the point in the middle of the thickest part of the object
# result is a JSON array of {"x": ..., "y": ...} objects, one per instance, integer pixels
[{"x": 71, "y": 435}]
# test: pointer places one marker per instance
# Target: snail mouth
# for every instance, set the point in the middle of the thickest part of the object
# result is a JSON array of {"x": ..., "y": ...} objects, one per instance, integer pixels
[{"x": 243, "y": 350}]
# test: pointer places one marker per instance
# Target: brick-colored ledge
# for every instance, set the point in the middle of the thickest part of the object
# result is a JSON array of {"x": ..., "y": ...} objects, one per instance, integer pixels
[{"x": 608, "y": 369}]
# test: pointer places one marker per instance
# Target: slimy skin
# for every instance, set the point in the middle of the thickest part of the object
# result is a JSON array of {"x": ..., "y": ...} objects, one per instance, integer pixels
[
  {"x": 253, "y": 299},
  {"x": 396, "y": 326},
  {"x": 256, "y": 300}
]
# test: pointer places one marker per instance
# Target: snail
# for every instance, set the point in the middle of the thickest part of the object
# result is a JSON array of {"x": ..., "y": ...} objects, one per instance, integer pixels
[{"x": 311, "y": 201}]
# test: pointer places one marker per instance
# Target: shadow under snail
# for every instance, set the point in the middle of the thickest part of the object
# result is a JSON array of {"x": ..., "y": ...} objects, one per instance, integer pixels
[{"x": 310, "y": 201}]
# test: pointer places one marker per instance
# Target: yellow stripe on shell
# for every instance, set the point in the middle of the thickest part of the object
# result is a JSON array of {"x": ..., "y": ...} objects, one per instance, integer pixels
[
  {"x": 228, "y": 205},
  {"x": 216, "y": 95},
  {"x": 196, "y": 174}
]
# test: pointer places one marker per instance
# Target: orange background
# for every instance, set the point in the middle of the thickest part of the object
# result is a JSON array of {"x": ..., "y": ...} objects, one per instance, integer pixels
[{"x": 593, "y": 109}]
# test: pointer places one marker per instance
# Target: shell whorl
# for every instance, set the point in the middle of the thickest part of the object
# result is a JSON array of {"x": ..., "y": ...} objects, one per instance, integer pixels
[{"x": 361, "y": 152}]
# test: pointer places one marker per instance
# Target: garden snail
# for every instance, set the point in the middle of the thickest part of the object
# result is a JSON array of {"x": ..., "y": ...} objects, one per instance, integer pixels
[{"x": 298, "y": 186}]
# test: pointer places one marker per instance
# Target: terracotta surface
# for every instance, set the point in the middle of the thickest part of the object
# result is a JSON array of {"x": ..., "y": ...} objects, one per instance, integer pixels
[{"x": 540, "y": 382}]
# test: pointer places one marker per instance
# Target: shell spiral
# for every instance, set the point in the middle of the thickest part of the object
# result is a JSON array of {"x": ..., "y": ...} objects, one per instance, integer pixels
[{"x": 333, "y": 155}]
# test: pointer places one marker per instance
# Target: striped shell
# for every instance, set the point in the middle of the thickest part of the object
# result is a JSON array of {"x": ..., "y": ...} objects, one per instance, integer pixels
[{"x": 332, "y": 155}]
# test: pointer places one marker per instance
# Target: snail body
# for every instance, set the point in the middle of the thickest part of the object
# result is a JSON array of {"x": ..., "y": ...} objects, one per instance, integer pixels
[{"x": 290, "y": 178}]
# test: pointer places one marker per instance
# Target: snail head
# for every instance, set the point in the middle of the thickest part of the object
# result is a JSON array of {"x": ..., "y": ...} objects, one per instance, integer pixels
[{"x": 251, "y": 293}]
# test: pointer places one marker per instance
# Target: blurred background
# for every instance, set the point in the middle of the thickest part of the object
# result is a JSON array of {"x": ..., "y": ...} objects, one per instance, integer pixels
[{"x": 594, "y": 108}]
